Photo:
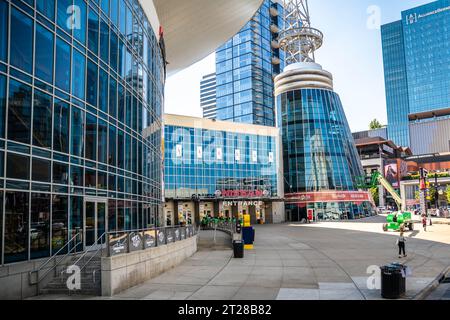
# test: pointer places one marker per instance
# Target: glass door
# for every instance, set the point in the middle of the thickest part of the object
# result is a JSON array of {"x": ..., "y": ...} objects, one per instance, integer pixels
[{"x": 94, "y": 222}]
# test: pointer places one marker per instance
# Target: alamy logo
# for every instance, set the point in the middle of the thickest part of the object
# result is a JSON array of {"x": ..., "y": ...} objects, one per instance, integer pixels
[
  {"x": 74, "y": 19},
  {"x": 74, "y": 280},
  {"x": 374, "y": 280}
]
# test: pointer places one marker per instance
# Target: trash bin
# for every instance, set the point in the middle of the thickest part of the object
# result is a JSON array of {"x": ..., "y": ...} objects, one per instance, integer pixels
[
  {"x": 393, "y": 281},
  {"x": 238, "y": 248}
]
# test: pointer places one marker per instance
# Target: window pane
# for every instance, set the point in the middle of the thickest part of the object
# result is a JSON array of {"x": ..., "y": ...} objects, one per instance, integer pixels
[
  {"x": 61, "y": 127},
  {"x": 77, "y": 127},
  {"x": 113, "y": 51},
  {"x": 112, "y": 146},
  {"x": 104, "y": 41},
  {"x": 18, "y": 167},
  {"x": 93, "y": 32},
  {"x": 2, "y": 105},
  {"x": 91, "y": 137},
  {"x": 76, "y": 175},
  {"x": 63, "y": 16},
  {"x": 122, "y": 18},
  {"x": 76, "y": 218},
  {"x": 103, "y": 91},
  {"x": 79, "y": 32},
  {"x": 59, "y": 223},
  {"x": 114, "y": 12},
  {"x": 78, "y": 77},
  {"x": 102, "y": 141},
  {"x": 42, "y": 120},
  {"x": 21, "y": 54},
  {"x": 105, "y": 6},
  {"x": 60, "y": 173},
  {"x": 92, "y": 83},
  {"x": 62, "y": 72},
  {"x": 40, "y": 226},
  {"x": 120, "y": 149},
  {"x": 44, "y": 54},
  {"x": 19, "y": 114},
  {"x": 112, "y": 97},
  {"x": 47, "y": 8},
  {"x": 41, "y": 170},
  {"x": 3, "y": 30},
  {"x": 16, "y": 226}
]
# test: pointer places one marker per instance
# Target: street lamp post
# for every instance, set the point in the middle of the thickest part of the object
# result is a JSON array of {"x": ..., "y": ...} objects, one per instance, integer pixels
[{"x": 436, "y": 194}]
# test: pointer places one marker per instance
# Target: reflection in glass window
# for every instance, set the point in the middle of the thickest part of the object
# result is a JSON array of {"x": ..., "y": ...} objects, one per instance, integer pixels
[
  {"x": 62, "y": 68},
  {"x": 44, "y": 54},
  {"x": 77, "y": 176},
  {"x": 90, "y": 180},
  {"x": 47, "y": 8},
  {"x": 92, "y": 82},
  {"x": 78, "y": 77},
  {"x": 112, "y": 97},
  {"x": 40, "y": 226},
  {"x": 102, "y": 141},
  {"x": 76, "y": 218},
  {"x": 18, "y": 166},
  {"x": 19, "y": 114},
  {"x": 2, "y": 105},
  {"x": 21, "y": 46},
  {"x": 42, "y": 120},
  {"x": 60, "y": 173},
  {"x": 16, "y": 227},
  {"x": 77, "y": 132},
  {"x": 93, "y": 31},
  {"x": 61, "y": 127},
  {"x": 80, "y": 32},
  {"x": 103, "y": 91},
  {"x": 91, "y": 137},
  {"x": 3, "y": 30},
  {"x": 41, "y": 170},
  {"x": 112, "y": 146},
  {"x": 59, "y": 223},
  {"x": 63, "y": 15},
  {"x": 104, "y": 41}
]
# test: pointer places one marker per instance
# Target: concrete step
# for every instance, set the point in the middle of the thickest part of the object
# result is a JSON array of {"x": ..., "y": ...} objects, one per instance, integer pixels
[{"x": 84, "y": 292}]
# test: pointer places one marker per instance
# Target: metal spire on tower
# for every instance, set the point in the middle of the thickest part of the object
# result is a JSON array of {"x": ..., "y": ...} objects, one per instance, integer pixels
[{"x": 298, "y": 39}]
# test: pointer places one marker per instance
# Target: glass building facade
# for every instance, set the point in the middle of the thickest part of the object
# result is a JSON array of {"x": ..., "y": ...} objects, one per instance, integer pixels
[
  {"x": 79, "y": 82},
  {"x": 416, "y": 53},
  {"x": 246, "y": 66},
  {"x": 319, "y": 155},
  {"x": 201, "y": 160}
]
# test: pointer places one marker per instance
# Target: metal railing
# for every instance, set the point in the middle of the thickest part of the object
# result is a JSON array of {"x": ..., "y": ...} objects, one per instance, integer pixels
[
  {"x": 37, "y": 278},
  {"x": 141, "y": 239}
]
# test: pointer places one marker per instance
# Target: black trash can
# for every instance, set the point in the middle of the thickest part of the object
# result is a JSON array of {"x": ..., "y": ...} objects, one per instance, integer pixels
[
  {"x": 238, "y": 248},
  {"x": 393, "y": 281}
]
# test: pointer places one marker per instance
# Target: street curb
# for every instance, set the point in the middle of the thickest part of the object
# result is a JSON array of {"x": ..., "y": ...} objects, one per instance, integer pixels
[{"x": 422, "y": 295}]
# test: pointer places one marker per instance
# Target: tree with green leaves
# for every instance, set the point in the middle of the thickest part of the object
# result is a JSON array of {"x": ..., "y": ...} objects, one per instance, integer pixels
[
  {"x": 375, "y": 124},
  {"x": 447, "y": 193}
]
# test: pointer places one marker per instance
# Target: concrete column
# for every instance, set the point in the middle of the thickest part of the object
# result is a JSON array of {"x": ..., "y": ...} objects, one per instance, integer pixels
[
  {"x": 216, "y": 209},
  {"x": 235, "y": 212},
  {"x": 175, "y": 213},
  {"x": 252, "y": 213},
  {"x": 403, "y": 195},
  {"x": 268, "y": 213},
  {"x": 197, "y": 213}
]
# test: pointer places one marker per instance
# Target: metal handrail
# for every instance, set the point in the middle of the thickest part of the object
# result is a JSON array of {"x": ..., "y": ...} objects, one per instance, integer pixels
[
  {"x": 90, "y": 249},
  {"x": 38, "y": 279}
]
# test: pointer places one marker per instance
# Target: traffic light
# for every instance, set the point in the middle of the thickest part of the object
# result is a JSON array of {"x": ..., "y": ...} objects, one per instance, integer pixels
[{"x": 423, "y": 173}]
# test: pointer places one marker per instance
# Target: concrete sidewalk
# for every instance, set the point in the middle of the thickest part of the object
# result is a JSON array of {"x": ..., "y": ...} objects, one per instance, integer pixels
[{"x": 324, "y": 261}]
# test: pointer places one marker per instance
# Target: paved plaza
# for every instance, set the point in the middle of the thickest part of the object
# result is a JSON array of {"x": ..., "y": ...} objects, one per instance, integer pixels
[{"x": 328, "y": 260}]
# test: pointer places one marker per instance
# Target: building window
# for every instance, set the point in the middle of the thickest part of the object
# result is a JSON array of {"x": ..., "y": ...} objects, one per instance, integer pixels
[
  {"x": 78, "y": 74},
  {"x": 41, "y": 170},
  {"x": 40, "y": 226},
  {"x": 102, "y": 141},
  {"x": 44, "y": 54},
  {"x": 60, "y": 173},
  {"x": 16, "y": 227},
  {"x": 18, "y": 166},
  {"x": 19, "y": 114},
  {"x": 77, "y": 132},
  {"x": 92, "y": 83},
  {"x": 79, "y": 32},
  {"x": 42, "y": 120},
  {"x": 59, "y": 223},
  {"x": 93, "y": 31},
  {"x": 47, "y": 8},
  {"x": 21, "y": 47},
  {"x": 62, "y": 71},
  {"x": 61, "y": 127},
  {"x": 2, "y": 105},
  {"x": 3, "y": 30},
  {"x": 91, "y": 137}
]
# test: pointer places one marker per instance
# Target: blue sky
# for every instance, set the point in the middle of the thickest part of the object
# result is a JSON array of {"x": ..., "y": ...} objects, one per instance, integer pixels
[{"x": 351, "y": 52}]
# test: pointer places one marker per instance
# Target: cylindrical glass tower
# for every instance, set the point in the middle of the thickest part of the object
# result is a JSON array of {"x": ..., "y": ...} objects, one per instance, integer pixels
[{"x": 320, "y": 158}]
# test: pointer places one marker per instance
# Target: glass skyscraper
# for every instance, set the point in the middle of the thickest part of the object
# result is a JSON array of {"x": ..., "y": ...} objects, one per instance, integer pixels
[
  {"x": 75, "y": 99},
  {"x": 208, "y": 96},
  {"x": 246, "y": 66},
  {"x": 416, "y": 53}
]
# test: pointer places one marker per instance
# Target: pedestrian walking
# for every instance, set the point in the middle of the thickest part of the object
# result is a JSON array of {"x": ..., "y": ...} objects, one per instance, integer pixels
[
  {"x": 401, "y": 242},
  {"x": 424, "y": 223}
]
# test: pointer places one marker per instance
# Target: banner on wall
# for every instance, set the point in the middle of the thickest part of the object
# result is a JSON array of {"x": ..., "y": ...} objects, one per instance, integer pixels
[
  {"x": 329, "y": 196},
  {"x": 391, "y": 173}
]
